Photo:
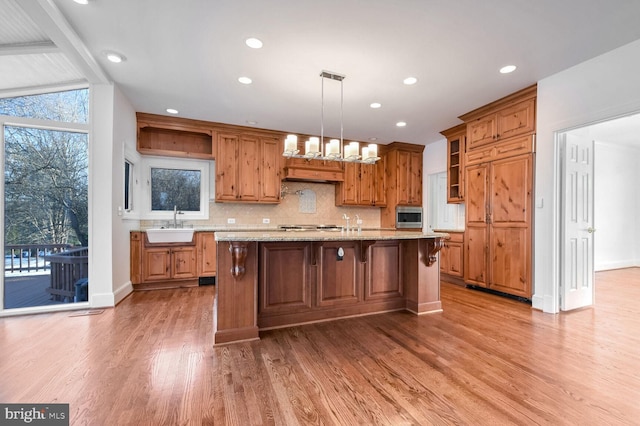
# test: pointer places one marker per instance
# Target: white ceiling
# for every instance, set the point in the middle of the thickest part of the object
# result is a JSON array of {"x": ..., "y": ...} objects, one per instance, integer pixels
[{"x": 188, "y": 55}]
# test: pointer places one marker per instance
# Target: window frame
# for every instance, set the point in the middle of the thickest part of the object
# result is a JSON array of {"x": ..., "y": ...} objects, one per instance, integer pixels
[{"x": 149, "y": 162}]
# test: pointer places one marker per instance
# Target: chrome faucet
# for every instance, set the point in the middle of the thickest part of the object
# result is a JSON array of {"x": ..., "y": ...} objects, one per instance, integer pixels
[
  {"x": 359, "y": 223},
  {"x": 175, "y": 214},
  {"x": 345, "y": 217}
]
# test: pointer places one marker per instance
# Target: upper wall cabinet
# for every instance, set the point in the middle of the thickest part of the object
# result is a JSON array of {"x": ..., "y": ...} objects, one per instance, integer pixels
[
  {"x": 403, "y": 179},
  {"x": 456, "y": 137},
  {"x": 511, "y": 116},
  {"x": 363, "y": 185},
  {"x": 248, "y": 168},
  {"x": 174, "y": 137}
]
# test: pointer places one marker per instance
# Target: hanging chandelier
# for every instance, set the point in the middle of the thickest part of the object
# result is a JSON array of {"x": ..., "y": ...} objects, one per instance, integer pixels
[{"x": 334, "y": 149}]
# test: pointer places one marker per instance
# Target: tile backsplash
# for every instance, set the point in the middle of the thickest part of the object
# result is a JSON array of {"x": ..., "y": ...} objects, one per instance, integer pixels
[{"x": 303, "y": 203}]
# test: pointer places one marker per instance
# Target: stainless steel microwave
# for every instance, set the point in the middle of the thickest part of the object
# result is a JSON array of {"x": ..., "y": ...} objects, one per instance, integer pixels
[{"x": 408, "y": 217}]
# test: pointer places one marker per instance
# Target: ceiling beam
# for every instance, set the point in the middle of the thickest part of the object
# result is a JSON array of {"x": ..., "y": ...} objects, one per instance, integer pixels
[
  {"x": 46, "y": 15},
  {"x": 28, "y": 48}
]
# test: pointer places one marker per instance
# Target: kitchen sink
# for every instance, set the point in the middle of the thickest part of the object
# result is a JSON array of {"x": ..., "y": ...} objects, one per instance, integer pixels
[{"x": 170, "y": 235}]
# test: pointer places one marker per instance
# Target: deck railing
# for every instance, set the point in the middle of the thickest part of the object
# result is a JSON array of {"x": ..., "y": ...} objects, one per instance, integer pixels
[
  {"x": 67, "y": 268},
  {"x": 30, "y": 257}
]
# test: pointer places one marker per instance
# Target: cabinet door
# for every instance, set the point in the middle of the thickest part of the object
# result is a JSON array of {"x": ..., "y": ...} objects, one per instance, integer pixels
[
  {"x": 270, "y": 169},
  {"x": 481, "y": 131},
  {"x": 444, "y": 258},
  {"x": 455, "y": 259},
  {"x": 207, "y": 250},
  {"x": 516, "y": 120},
  {"x": 415, "y": 179},
  {"x": 249, "y": 168},
  {"x": 476, "y": 245},
  {"x": 135, "y": 257},
  {"x": 403, "y": 177},
  {"x": 184, "y": 262},
  {"x": 156, "y": 264},
  {"x": 338, "y": 280},
  {"x": 383, "y": 274},
  {"x": 284, "y": 280},
  {"x": 510, "y": 241},
  {"x": 380, "y": 182},
  {"x": 349, "y": 189},
  {"x": 366, "y": 184},
  {"x": 226, "y": 167},
  {"x": 455, "y": 169}
]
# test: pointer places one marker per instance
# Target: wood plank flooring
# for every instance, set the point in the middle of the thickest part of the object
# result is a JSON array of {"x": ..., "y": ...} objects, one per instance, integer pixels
[{"x": 485, "y": 360}]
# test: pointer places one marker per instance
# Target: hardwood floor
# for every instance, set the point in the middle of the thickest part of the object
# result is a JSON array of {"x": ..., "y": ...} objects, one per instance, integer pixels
[{"x": 485, "y": 360}]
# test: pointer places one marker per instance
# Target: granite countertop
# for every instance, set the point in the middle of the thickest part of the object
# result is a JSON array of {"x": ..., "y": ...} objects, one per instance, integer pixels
[{"x": 278, "y": 235}]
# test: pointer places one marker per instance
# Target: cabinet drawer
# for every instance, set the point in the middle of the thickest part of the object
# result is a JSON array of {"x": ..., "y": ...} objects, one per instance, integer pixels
[
  {"x": 456, "y": 237},
  {"x": 505, "y": 149}
]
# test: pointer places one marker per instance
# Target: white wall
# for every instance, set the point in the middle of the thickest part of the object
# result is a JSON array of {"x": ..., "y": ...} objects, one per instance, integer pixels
[
  {"x": 113, "y": 120},
  {"x": 616, "y": 206},
  {"x": 601, "y": 88},
  {"x": 124, "y": 135}
]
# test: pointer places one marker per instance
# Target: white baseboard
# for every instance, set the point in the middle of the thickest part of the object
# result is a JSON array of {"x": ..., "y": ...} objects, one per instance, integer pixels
[
  {"x": 123, "y": 291},
  {"x": 617, "y": 264},
  {"x": 109, "y": 300}
]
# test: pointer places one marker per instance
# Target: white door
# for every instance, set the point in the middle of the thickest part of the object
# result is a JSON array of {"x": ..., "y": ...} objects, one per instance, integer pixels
[{"x": 576, "y": 263}]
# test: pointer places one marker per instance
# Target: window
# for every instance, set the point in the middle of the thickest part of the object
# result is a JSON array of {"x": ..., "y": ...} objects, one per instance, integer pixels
[
  {"x": 128, "y": 186},
  {"x": 70, "y": 106},
  {"x": 183, "y": 184},
  {"x": 175, "y": 189}
]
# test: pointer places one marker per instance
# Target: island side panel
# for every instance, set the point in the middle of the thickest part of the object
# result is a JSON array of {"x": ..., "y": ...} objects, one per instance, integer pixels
[
  {"x": 422, "y": 282},
  {"x": 235, "y": 309}
]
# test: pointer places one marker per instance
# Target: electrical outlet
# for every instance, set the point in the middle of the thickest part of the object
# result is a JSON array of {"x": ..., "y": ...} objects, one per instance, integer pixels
[
  {"x": 231, "y": 220},
  {"x": 266, "y": 220}
]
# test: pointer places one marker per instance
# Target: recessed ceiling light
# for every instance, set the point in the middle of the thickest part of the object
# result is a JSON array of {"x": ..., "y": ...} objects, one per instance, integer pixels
[
  {"x": 410, "y": 80},
  {"x": 82, "y": 1},
  {"x": 114, "y": 57},
  {"x": 507, "y": 69},
  {"x": 244, "y": 80},
  {"x": 253, "y": 43},
  {"x": 375, "y": 105},
  {"x": 401, "y": 124},
  {"x": 373, "y": 139},
  {"x": 251, "y": 122},
  {"x": 172, "y": 110}
]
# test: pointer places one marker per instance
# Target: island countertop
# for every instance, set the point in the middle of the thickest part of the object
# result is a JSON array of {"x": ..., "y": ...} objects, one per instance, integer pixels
[{"x": 274, "y": 236}]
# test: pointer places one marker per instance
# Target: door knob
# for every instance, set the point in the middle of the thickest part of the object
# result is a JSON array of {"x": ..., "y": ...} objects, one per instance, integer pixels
[{"x": 591, "y": 230}]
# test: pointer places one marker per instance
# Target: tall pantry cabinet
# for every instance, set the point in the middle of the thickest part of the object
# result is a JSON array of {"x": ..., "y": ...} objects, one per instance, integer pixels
[{"x": 499, "y": 195}]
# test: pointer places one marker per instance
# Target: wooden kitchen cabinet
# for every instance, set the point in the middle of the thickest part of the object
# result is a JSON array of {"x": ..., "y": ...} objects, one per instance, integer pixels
[
  {"x": 363, "y": 185},
  {"x": 174, "y": 137},
  {"x": 248, "y": 168},
  {"x": 383, "y": 271},
  {"x": 508, "y": 117},
  {"x": 499, "y": 177},
  {"x": 403, "y": 179},
  {"x": 207, "y": 252},
  {"x": 456, "y": 148},
  {"x": 497, "y": 251},
  {"x": 163, "y": 265},
  {"x": 452, "y": 255},
  {"x": 284, "y": 282},
  {"x": 169, "y": 263}
]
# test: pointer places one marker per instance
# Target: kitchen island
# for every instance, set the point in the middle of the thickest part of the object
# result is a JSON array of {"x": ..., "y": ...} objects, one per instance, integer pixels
[{"x": 282, "y": 278}]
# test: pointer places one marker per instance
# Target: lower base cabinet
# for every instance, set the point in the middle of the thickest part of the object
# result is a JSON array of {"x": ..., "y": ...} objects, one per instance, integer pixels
[
  {"x": 303, "y": 281},
  {"x": 165, "y": 265},
  {"x": 452, "y": 255}
]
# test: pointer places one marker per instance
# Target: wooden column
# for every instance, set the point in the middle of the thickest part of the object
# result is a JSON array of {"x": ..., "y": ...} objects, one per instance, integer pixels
[
  {"x": 235, "y": 309},
  {"x": 421, "y": 275}
]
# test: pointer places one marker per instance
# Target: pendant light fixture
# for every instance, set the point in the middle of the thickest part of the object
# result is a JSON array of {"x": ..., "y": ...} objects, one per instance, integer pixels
[{"x": 334, "y": 149}]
